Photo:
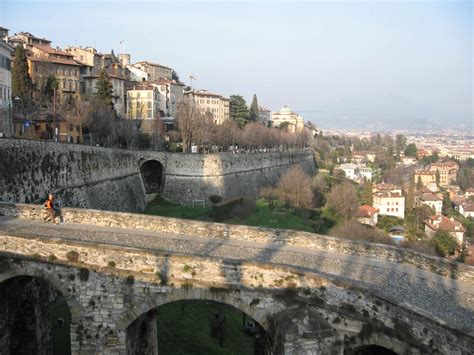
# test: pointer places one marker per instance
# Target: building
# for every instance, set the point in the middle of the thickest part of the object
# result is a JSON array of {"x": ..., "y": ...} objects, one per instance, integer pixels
[
  {"x": 288, "y": 118},
  {"x": 45, "y": 61},
  {"x": 155, "y": 71},
  {"x": 467, "y": 209},
  {"x": 447, "y": 171},
  {"x": 433, "y": 201},
  {"x": 365, "y": 173},
  {"x": 264, "y": 115},
  {"x": 388, "y": 199},
  {"x": 6, "y": 123},
  {"x": 143, "y": 105},
  {"x": 367, "y": 215},
  {"x": 428, "y": 179},
  {"x": 88, "y": 56},
  {"x": 26, "y": 39},
  {"x": 363, "y": 156},
  {"x": 439, "y": 222},
  {"x": 171, "y": 92},
  {"x": 137, "y": 74},
  {"x": 207, "y": 102},
  {"x": 351, "y": 171}
]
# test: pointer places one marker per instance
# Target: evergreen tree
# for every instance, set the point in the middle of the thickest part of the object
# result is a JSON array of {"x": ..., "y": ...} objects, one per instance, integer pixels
[
  {"x": 253, "y": 116},
  {"x": 366, "y": 195},
  {"x": 51, "y": 84},
  {"x": 411, "y": 150},
  {"x": 438, "y": 177},
  {"x": 22, "y": 85},
  {"x": 238, "y": 110},
  {"x": 104, "y": 88},
  {"x": 419, "y": 183},
  {"x": 411, "y": 196},
  {"x": 175, "y": 76}
]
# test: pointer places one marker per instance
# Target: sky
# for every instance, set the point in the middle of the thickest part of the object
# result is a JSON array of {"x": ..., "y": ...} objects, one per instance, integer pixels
[{"x": 339, "y": 64}]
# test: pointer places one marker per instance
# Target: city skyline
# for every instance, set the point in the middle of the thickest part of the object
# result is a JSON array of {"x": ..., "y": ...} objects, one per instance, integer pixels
[{"x": 339, "y": 64}]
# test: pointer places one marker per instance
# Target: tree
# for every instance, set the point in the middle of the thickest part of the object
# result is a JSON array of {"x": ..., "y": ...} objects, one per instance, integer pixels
[
  {"x": 100, "y": 122},
  {"x": 366, "y": 195},
  {"x": 400, "y": 143},
  {"x": 238, "y": 110},
  {"x": 104, "y": 88},
  {"x": 174, "y": 76},
  {"x": 270, "y": 194},
  {"x": 184, "y": 120},
  {"x": 444, "y": 243},
  {"x": 343, "y": 200},
  {"x": 52, "y": 84},
  {"x": 294, "y": 188},
  {"x": 253, "y": 115},
  {"x": 438, "y": 177},
  {"x": 22, "y": 85},
  {"x": 419, "y": 183},
  {"x": 411, "y": 150},
  {"x": 411, "y": 196}
]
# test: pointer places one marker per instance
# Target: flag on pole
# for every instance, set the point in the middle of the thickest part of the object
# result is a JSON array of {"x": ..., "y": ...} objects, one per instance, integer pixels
[{"x": 191, "y": 77}]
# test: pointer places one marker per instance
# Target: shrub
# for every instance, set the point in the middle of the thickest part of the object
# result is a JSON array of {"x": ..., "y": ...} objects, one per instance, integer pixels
[
  {"x": 357, "y": 231},
  {"x": 444, "y": 243},
  {"x": 223, "y": 210},
  {"x": 52, "y": 257},
  {"x": 245, "y": 209},
  {"x": 72, "y": 256},
  {"x": 111, "y": 263},
  {"x": 215, "y": 198},
  {"x": 186, "y": 268}
]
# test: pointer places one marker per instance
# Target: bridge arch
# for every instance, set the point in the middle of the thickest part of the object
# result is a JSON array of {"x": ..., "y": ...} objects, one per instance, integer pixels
[
  {"x": 248, "y": 302},
  {"x": 27, "y": 307},
  {"x": 153, "y": 175}
]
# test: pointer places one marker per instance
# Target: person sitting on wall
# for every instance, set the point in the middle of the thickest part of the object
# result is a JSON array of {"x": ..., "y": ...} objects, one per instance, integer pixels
[{"x": 48, "y": 205}]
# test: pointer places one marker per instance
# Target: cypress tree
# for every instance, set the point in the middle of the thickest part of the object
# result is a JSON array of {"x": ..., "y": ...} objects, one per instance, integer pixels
[
  {"x": 104, "y": 88},
  {"x": 419, "y": 183},
  {"x": 22, "y": 85},
  {"x": 253, "y": 116}
]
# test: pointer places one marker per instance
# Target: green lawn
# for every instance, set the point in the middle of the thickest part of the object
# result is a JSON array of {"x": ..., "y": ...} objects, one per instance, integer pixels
[
  {"x": 165, "y": 208},
  {"x": 280, "y": 217},
  {"x": 191, "y": 334}
]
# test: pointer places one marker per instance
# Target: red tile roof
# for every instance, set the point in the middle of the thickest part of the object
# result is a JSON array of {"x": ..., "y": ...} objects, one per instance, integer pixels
[
  {"x": 440, "y": 222},
  {"x": 366, "y": 211}
]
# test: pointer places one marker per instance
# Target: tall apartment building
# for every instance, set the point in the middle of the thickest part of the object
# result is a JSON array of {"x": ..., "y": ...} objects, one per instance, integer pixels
[
  {"x": 6, "y": 124},
  {"x": 213, "y": 104},
  {"x": 143, "y": 105},
  {"x": 447, "y": 171},
  {"x": 171, "y": 92},
  {"x": 155, "y": 71}
]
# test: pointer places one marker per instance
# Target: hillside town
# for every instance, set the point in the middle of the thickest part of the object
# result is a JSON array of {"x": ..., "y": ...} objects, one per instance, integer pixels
[
  {"x": 63, "y": 83},
  {"x": 415, "y": 187}
]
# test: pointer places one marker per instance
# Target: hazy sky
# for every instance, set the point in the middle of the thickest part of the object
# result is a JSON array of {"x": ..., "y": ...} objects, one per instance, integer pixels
[{"x": 333, "y": 61}]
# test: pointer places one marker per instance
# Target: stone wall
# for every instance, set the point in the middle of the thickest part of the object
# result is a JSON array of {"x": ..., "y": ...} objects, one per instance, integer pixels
[
  {"x": 105, "y": 299},
  {"x": 87, "y": 177},
  {"x": 440, "y": 266},
  {"x": 104, "y": 178}
]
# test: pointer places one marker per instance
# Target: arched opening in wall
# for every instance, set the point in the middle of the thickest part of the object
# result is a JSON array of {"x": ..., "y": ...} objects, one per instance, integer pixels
[
  {"x": 35, "y": 318},
  {"x": 197, "y": 327},
  {"x": 373, "y": 350},
  {"x": 152, "y": 172}
]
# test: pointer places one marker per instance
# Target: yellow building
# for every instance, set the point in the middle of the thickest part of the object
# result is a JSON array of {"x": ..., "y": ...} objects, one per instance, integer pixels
[
  {"x": 207, "y": 102},
  {"x": 288, "y": 118},
  {"x": 143, "y": 105},
  {"x": 155, "y": 71},
  {"x": 447, "y": 171}
]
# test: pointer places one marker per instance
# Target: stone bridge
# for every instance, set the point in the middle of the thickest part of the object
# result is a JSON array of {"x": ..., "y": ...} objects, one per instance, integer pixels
[{"x": 310, "y": 294}]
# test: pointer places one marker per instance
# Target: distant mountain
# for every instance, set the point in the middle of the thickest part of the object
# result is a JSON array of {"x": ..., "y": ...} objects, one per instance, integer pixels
[{"x": 387, "y": 113}]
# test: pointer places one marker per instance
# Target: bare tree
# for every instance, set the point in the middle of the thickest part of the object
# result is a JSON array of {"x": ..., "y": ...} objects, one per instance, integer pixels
[
  {"x": 294, "y": 188},
  {"x": 184, "y": 119},
  {"x": 343, "y": 200},
  {"x": 356, "y": 231}
]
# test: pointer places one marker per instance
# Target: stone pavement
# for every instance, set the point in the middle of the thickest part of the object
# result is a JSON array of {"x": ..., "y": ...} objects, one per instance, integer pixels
[{"x": 445, "y": 299}]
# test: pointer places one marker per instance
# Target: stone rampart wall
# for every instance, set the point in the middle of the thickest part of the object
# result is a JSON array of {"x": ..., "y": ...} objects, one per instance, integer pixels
[
  {"x": 251, "y": 234},
  {"x": 104, "y": 178}
]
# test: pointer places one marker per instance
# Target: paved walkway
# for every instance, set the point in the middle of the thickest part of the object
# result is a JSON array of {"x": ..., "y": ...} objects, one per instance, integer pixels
[{"x": 446, "y": 299}]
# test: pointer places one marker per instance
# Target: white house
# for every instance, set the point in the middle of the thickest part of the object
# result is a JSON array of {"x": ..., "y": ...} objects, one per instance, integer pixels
[
  {"x": 365, "y": 172},
  {"x": 467, "y": 209},
  {"x": 367, "y": 215},
  {"x": 390, "y": 203},
  {"x": 432, "y": 200},
  {"x": 351, "y": 170}
]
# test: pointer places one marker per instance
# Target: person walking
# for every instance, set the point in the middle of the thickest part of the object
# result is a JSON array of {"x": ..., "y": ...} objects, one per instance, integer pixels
[
  {"x": 49, "y": 209},
  {"x": 57, "y": 207}
]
